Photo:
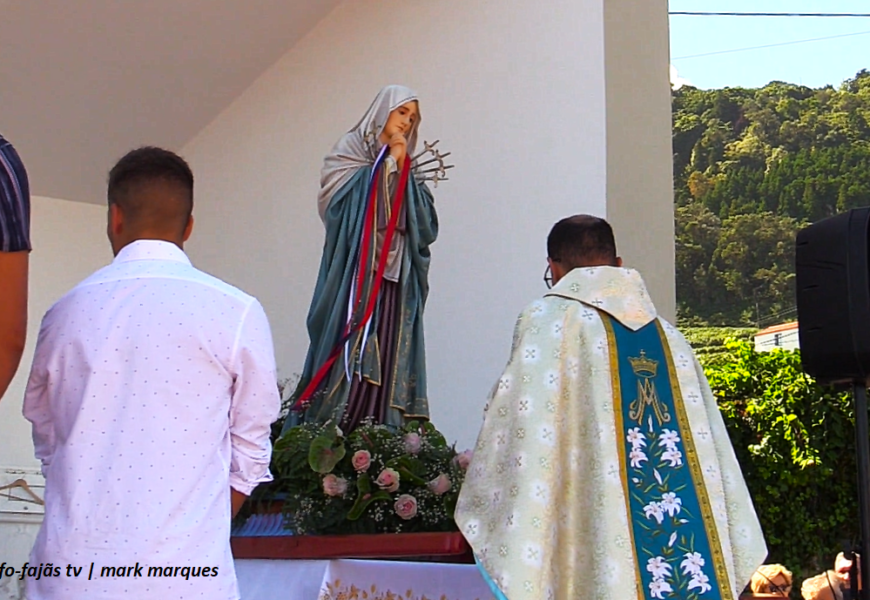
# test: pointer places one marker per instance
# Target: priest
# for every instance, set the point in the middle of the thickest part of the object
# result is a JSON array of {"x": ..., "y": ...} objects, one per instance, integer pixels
[{"x": 603, "y": 468}]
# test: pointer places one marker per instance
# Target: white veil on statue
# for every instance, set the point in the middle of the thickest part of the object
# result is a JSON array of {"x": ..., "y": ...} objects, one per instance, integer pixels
[{"x": 359, "y": 147}]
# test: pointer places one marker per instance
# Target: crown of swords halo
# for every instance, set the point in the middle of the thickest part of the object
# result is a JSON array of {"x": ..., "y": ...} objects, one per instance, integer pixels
[{"x": 432, "y": 167}]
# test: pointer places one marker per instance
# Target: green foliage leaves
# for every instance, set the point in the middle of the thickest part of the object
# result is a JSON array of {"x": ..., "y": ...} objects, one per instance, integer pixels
[
  {"x": 365, "y": 496},
  {"x": 795, "y": 442},
  {"x": 710, "y": 344},
  {"x": 290, "y": 456},
  {"x": 733, "y": 270},
  {"x": 410, "y": 468},
  {"x": 326, "y": 451},
  {"x": 751, "y": 167},
  {"x": 323, "y": 491}
]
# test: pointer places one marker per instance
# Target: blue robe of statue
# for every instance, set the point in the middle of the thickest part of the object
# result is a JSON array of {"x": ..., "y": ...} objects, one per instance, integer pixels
[{"x": 388, "y": 374}]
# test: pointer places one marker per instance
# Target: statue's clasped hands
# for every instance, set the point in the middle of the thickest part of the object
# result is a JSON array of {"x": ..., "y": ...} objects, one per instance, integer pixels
[{"x": 398, "y": 148}]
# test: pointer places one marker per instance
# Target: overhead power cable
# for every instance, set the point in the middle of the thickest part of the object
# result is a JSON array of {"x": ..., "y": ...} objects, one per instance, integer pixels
[
  {"x": 684, "y": 13},
  {"x": 830, "y": 37}
]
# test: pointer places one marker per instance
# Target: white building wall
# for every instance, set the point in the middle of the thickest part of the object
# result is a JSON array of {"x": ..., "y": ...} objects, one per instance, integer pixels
[
  {"x": 524, "y": 99},
  {"x": 782, "y": 340},
  {"x": 640, "y": 187},
  {"x": 69, "y": 243},
  {"x": 515, "y": 92}
]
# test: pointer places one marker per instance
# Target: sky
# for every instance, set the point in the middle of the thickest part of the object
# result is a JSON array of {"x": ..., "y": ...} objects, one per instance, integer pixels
[{"x": 811, "y": 63}]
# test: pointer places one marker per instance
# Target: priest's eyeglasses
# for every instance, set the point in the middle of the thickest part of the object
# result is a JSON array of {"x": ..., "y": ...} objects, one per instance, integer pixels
[{"x": 548, "y": 277}]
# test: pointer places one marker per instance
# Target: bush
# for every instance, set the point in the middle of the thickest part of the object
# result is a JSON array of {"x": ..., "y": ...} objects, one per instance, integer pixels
[
  {"x": 709, "y": 343},
  {"x": 795, "y": 442}
]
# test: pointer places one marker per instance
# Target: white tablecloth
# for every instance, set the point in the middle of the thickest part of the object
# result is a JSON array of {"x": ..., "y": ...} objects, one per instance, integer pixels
[{"x": 334, "y": 579}]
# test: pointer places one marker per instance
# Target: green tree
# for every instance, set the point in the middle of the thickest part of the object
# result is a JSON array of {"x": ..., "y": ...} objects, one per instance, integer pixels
[
  {"x": 696, "y": 235},
  {"x": 755, "y": 256},
  {"x": 764, "y": 162},
  {"x": 795, "y": 442},
  {"x": 733, "y": 270}
]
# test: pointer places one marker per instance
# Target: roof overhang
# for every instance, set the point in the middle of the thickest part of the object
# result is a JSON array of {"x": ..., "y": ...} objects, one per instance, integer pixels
[{"x": 82, "y": 82}]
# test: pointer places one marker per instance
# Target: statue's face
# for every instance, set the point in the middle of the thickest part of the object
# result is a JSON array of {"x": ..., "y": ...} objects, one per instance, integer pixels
[{"x": 401, "y": 120}]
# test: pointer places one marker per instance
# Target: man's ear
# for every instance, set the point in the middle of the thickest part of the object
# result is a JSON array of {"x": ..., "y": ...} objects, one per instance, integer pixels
[
  {"x": 116, "y": 220},
  {"x": 189, "y": 229},
  {"x": 557, "y": 269},
  {"x": 618, "y": 261}
]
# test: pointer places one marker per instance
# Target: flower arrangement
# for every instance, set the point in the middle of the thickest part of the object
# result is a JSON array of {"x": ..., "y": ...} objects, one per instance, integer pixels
[{"x": 377, "y": 479}]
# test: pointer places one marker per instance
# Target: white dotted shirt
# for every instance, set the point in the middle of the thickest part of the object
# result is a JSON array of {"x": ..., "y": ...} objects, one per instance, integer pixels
[{"x": 151, "y": 393}]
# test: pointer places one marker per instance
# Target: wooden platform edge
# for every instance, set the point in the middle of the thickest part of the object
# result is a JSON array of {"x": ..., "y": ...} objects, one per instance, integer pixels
[{"x": 429, "y": 547}]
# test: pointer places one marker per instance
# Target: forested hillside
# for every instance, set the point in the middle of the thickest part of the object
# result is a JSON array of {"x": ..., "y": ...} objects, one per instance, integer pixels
[{"x": 751, "y": 167}]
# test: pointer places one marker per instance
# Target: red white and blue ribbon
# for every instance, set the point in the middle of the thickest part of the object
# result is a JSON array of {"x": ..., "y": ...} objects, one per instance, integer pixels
[{"x": 355, "y": 300}]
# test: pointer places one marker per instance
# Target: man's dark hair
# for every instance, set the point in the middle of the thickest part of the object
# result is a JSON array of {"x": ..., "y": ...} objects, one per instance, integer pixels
[
  {"x": 582, "y": 241},
  {"x": 153, "y": 187}
]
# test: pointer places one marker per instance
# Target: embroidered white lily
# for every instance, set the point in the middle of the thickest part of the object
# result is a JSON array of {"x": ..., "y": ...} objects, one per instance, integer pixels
[
  {"x": 654, "y": 510},
  {"x": 659, "y": 587},
  {"x": 670, "y": 503},
  {"x": 673, "y": 457},
  {"x": 636, "y": 438},
  {"x": 658, "y": 567},
  {"x": 668, "y": 438},
  {"x": 637, "y": 458},
  {"x": 692, "y": 563},
  {"x": 700, "y": 581}
]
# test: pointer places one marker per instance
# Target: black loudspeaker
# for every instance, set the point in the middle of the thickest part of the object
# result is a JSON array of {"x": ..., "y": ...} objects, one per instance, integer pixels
[
  {"x": 833, "y": 297},
  {"x": 833, "y": 302}
]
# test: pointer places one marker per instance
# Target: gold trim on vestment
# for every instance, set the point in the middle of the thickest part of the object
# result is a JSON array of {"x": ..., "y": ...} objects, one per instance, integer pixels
[
  {"x": 694, "y": 465},
  {"x": 620, "y": 446}
]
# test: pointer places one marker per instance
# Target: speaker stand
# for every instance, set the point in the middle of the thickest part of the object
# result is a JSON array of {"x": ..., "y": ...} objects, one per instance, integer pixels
[{"x": 862, "y": 432}]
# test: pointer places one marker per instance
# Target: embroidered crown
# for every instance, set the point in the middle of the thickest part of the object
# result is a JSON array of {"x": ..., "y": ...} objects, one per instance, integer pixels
[{"x": 643, "y": 366}]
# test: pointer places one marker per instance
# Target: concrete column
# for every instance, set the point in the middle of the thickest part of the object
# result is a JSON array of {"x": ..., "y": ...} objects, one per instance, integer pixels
[{"x": 639, "y": 153}]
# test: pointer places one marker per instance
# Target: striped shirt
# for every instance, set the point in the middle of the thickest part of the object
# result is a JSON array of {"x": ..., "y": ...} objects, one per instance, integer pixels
[{"x": 14, "y": 201}]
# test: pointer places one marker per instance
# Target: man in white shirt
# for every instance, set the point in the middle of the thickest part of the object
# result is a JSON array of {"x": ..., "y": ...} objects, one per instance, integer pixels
[{"x": 151, "y": 396}]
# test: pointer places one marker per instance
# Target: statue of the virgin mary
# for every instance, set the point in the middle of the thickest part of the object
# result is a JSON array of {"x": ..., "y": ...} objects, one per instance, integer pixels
[{"x": 367, "y": 356}]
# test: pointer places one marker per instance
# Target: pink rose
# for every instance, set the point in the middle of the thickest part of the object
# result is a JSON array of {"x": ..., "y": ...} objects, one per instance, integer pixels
[
  {"x": 361, "y": 460},
  {"x": 388, "y": 480},
  {"x": 413, "y": 442},
  {"x": 440, "y": 484},
  {"x": 463, "y": 459},
  {"x": 334, "y": 486},
  {"x": 406, "y": 506}
]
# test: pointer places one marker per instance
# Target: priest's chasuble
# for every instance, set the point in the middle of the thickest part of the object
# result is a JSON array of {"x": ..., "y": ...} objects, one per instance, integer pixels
[{"x": 603, "y": 469}]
